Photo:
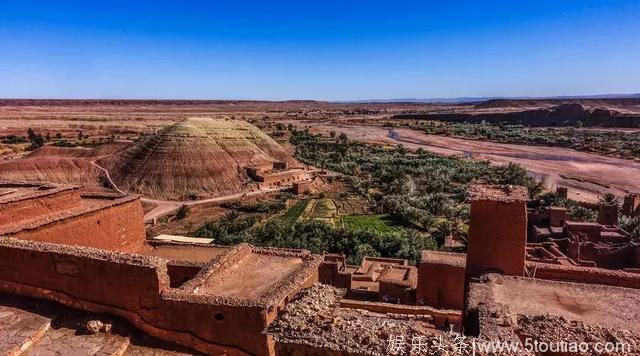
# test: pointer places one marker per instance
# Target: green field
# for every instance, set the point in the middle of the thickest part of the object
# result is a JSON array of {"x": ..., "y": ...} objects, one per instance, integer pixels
[
  {"x": 294, "y": 212},
  {"x": 378, "y": 223}
]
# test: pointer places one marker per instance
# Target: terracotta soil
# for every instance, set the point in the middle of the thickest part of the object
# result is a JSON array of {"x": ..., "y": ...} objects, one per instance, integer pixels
[
  {"x": 251, "y": 277},
  {"x": 579, "y": 302}
]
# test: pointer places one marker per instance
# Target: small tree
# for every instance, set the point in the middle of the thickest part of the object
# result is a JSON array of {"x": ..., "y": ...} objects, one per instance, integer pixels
[
  {"x": 609, "y": 198},
  {"x": 182, "y": 212}
]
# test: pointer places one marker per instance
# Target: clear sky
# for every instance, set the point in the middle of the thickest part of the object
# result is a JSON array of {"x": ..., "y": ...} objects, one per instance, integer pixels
[{"x": 330, "y": 50}]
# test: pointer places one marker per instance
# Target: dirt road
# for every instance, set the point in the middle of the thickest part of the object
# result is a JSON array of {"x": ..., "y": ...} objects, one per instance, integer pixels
[
  {"x": 586, "y": 175},
  {"x": 167, "y": 207}
]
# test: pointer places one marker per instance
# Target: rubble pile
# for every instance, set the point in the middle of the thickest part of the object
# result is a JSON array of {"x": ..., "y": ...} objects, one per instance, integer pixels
[
  {"x": 316, "y": 319},
  {"x": 557, "y": 330}
]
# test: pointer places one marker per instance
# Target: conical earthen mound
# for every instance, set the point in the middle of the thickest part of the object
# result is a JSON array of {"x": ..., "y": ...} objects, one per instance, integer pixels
[{"x": 194, "y": 157}]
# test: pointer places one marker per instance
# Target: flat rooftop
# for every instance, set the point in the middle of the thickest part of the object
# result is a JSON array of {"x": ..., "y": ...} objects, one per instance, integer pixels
[
  {"x": 605, "y": 306},
  {"x": 442, "y": 257},
  {"x": 11, "y": 191},
  {"x": 183, "y": 252},
  {"x": 505, "y": 193},
  {"x": 251, "y": 277},
  {"x": 89, "y": 203}
]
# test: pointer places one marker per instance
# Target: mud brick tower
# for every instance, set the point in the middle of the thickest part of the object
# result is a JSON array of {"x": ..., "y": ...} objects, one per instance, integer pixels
[{"x": 498, "y": 230}]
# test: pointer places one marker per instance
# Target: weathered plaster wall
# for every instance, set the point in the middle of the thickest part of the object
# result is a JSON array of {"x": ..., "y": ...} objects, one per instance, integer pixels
[
  {"x": 589, "y": 275},
  {"x": 116, "y": 228},
  {"x": 441, "y": 285},
  {"x": 497, "y": 237},
  {"x": 136, "y": 287},
  {"x": 18, "y": 210}
]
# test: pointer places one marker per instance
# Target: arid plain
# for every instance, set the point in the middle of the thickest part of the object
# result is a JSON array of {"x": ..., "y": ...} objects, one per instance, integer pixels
[{"x": 123, "y": 122}]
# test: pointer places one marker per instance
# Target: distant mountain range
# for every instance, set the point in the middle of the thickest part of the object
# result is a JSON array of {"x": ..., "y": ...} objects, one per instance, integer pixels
[{"x": 467, "y": 99}]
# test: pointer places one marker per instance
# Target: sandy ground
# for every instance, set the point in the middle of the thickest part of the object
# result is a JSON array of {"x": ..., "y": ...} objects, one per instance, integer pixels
[
  {"x": 586, "y": 175},
  {"x": 251, "y": 277},
  {"x": 572, "y": 301}
]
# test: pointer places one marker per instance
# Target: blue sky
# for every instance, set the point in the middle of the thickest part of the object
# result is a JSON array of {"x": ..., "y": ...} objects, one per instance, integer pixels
[{"x": 328, "y": 50}]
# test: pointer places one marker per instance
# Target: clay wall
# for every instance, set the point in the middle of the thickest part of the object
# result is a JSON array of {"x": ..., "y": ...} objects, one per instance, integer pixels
[
  {"x": 441, "y": 285},
  {"x": 301, "y": 187},
  {"x": 282, "y": 178},
  {"x": 181, "y": 273},
  {"x": 330, "y": 272},
  {"x": 219, "y": 321},
  {"x": 136, "y": 288},
  {"x": 631, "y": 205},
  {"x": 94, "y": 276},
  {"x": 608, "y": 215},
  {"x": 592, "y": 231},
  {"x": 557, "y": 216},
  {"x": 24, "y": 209},
  {"x": 442, "y": 318},
  {"x": 396, "y": 293},
  {"x": 497, "y": 237},
  {"x": 609, "y": 256},
  {"x": 117, "y": 228},
  {"x": 397, "y": 284},
  {"x": 591, "y": 275}
]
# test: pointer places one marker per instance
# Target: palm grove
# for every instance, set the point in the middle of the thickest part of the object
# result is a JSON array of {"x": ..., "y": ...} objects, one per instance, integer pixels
[{"x": 423, "y": 192}]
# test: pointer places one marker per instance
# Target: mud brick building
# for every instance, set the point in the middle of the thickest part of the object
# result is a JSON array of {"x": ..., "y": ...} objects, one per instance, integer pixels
[{"x": 64, "y": 252}]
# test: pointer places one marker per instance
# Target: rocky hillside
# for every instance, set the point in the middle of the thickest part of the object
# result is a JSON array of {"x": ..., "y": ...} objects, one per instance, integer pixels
[
  {"x": 568, "y": 114},
  {"x": 197, "y": 156}
]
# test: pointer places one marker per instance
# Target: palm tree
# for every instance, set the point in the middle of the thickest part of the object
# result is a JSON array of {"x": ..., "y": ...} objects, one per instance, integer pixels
[{"x": 609, "y": 198}]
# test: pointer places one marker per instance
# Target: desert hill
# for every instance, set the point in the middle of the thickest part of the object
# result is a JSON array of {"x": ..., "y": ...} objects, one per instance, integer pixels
[
  {"x": 54, "y": 164},
  {"x": 193, "y": 157}
]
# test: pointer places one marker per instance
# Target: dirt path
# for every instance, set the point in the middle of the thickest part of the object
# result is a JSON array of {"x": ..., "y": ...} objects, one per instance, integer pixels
[
  {"x": 586, "y": 175},
  {"x": 167, "y": 207}
]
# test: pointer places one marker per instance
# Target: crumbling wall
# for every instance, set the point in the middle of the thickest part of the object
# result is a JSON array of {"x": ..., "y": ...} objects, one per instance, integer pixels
[
  {"x": 117, "y": 228},
  {"x": 442, "y": 317},
  {"x": 128, "y": 282},
  {"x": 608, "y": 256},
  {"x": 301, "y": 187},
  {"x": 179, "y": 273},
  {"x": 136, "y": 288},
  {"x": 331, "y": 272}
]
